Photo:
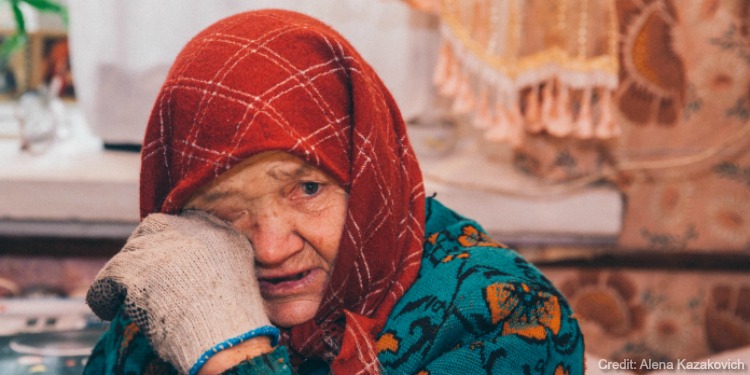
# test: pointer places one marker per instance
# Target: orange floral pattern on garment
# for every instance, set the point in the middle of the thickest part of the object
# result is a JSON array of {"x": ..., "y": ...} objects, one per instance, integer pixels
[
  {"x": 560, "y": 370},
  {"x": 522, "y": 311},
  {"x": 127, "y": 336},
  {"x": 387, "y": 342},
  {"x": 432, "y": 239},
  {"x": 471, "y": 236},
  {"x": 451, "y": 257}
]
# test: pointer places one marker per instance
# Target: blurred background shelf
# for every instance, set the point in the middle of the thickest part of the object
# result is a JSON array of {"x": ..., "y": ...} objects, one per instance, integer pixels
[
  {"x": 76, "y": 188},
  {"x": 72, "y": 188}
]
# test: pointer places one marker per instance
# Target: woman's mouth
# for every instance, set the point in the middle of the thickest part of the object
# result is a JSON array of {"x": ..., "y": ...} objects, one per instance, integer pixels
[
  {"x": 286, "y": 285},
  {"x": 277, "y": 280}
]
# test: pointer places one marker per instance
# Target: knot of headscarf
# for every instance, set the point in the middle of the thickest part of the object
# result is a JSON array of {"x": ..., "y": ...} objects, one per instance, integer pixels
[{"x": 278, "y": 80}]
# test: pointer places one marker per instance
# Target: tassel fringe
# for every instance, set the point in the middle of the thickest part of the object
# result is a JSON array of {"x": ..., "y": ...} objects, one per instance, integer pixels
[{"x": 559, "y": 105}]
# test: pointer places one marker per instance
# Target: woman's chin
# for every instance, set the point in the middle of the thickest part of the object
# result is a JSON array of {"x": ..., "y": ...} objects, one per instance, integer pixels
[{"x": 287, "y": 314}]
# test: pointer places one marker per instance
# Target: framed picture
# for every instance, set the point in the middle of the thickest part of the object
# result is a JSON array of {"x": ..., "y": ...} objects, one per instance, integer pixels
[{"x": 50, "y": 63}]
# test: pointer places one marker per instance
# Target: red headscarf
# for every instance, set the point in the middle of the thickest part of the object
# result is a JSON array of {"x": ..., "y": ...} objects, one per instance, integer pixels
[{"x": 278, "y": 80}]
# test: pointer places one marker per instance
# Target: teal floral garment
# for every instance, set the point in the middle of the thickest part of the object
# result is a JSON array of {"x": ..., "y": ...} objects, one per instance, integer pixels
[{"x": 476, "y": 307}]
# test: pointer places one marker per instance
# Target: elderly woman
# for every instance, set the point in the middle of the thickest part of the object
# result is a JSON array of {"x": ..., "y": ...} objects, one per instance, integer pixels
[{"x": 285, "y": 230}]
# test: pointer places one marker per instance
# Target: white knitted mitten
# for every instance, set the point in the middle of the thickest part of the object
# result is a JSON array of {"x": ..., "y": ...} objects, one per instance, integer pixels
[{"x": 188, "y": 282}]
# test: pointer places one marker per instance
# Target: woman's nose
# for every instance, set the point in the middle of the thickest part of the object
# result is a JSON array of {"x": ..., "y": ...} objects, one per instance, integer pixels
[{"x": 273, "y": 236}]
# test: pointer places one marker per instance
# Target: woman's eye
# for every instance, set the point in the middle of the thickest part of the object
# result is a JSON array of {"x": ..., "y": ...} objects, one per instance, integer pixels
[{"x": 310, "y": 188}]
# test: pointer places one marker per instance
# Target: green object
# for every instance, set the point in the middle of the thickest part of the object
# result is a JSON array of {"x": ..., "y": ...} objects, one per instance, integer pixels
[{"x": 19, "y": 38}]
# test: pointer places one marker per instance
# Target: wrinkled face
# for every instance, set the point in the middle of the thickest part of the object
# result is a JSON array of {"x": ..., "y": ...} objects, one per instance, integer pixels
[{"x": 293, "y": 214}]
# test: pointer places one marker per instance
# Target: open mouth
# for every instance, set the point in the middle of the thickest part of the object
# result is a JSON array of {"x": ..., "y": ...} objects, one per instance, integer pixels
[
  {"x": 278, "y": 280},
  {"x": 291, "y": 285}
]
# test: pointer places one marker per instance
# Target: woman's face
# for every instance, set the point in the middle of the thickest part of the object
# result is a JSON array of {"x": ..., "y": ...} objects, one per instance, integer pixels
[{"x": 293, "y": 214}]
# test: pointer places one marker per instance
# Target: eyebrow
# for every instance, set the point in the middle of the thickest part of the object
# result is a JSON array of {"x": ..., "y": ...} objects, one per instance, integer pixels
[
  {"x": 301, "y": 171},
  {"x": 275, "y": 173}
]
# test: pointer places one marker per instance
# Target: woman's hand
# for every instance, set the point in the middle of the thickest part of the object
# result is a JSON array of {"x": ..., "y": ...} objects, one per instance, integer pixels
[{"x": 188, "y": 282}]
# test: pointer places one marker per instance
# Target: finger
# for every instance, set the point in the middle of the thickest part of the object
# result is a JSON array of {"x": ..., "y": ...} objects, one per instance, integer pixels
[
  {"x": 153, "y": 223},
  {"x": 105, "y": 296}
]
